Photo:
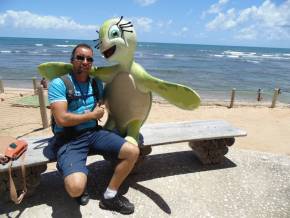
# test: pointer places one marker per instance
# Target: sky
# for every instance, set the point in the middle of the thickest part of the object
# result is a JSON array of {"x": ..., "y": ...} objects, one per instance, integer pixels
[{"x": 262, "y": 23}]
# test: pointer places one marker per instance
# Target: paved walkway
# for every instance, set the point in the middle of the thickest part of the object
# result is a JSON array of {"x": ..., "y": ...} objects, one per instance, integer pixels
[{"x": 173, "y": 183}]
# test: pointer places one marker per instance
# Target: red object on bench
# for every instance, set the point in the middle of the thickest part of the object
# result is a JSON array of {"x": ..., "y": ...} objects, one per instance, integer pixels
[{"x": 16, "y": 149}]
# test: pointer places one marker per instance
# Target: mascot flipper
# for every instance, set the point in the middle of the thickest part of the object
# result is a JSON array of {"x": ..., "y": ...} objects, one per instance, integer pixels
[{"x": 52, "y": 70}]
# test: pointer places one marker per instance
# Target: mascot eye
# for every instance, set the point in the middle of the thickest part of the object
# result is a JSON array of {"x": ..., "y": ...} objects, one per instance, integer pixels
[{"x": 114, "y": 32}]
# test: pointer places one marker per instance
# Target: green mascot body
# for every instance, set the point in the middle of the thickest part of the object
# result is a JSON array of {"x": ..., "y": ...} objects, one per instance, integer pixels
[{"x": 128, "y": 86}]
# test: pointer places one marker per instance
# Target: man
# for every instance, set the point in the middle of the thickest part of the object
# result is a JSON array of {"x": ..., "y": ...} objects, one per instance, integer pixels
[
  {"x": 43, "y": 82},
  {"x": 77, "y": 131}
]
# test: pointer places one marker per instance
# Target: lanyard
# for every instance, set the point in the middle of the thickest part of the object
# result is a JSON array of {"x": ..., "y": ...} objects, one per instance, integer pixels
[{"x": 83, "y": 96}]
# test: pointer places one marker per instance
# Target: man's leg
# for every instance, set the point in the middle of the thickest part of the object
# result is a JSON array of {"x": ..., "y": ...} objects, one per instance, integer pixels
[
  {"x": 75, "y": 184},
  {"x": 128, "y": 156},
  {"x": 111, "y": 144},
  {"x": 71, "y": 163}
]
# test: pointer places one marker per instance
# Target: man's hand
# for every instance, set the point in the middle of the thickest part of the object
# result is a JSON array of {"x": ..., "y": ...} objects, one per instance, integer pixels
[
  {"x": 98, "y": 112},
  {"x": 64, "y": 118}
]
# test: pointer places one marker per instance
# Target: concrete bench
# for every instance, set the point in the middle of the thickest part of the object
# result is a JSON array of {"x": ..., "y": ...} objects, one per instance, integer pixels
[{"x": 209, "y": 141}]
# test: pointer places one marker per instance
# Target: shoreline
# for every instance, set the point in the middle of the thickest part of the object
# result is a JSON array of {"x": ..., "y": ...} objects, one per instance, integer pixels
[
  {"x": 208, "y": 102},
  {"x": 208, "y": 95}
]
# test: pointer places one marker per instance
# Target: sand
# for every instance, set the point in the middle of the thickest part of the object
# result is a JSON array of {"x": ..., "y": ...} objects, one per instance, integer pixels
[{"x": 268, "y": 128}]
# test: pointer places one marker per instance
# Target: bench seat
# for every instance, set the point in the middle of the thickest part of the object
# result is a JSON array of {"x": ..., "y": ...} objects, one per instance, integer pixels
[{"x": 40, "y": 152}]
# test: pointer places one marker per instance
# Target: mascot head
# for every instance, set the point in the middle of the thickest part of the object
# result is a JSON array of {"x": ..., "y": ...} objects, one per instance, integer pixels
[{"x": 117, "y": 40}]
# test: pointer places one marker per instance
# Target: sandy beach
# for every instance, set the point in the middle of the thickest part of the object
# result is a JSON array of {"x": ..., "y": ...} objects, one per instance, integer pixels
[{"x": 268, "y": 128}]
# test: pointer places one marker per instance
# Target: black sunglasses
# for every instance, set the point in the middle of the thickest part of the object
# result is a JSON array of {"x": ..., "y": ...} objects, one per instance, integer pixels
[{"x": 82, "y": 58}]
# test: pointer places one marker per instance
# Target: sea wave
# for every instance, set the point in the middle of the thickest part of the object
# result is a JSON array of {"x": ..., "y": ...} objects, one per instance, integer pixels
[
  {"x": 5, "y": 51},
  {"x": 252, "y": 55},
  {"x": 253, "y": 61},
  {"x": 65, "y": 46},
  {"x": 33, "y": 52},
  {"x": 169, "y": 55},
  {"x": 274, "y": 56},
  {"x": 38, "y": 44},
  {"x": 267, "y": 55},
  {"x": 232, "y": 56},
  {"x": 217, "y": 55},
  {"x": 239, "y": 53}
]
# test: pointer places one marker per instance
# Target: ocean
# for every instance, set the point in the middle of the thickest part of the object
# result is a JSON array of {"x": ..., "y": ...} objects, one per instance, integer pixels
[{"x": 213, "y": 71}]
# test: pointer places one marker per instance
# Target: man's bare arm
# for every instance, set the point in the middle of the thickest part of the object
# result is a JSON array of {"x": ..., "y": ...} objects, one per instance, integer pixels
[{"x": 66, "y": 119}]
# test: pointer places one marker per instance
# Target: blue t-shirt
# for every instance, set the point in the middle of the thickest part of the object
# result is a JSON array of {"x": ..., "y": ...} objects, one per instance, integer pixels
[{"x": 83, "y": 102}]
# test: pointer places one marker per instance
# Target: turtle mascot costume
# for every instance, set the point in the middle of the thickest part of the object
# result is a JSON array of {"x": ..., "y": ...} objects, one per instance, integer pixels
[{"x": 129, "y": 87}]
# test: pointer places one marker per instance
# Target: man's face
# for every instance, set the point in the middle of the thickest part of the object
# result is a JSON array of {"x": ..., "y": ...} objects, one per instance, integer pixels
[{"x": 82, "y": 60}]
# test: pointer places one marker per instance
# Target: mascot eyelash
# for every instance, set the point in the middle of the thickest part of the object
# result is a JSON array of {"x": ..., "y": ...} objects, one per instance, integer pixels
[
  {"x": 98, "y": 42},
  {"x": 123, "y": 27}
]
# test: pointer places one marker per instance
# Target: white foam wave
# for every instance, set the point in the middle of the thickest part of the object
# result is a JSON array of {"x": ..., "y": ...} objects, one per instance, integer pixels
[
  {"x": 253, "y": 55},
  {"x": 38, "y": 44},
  {"x": 233, "y": 53},
  {"x": 240, "y": 53},
  {"x": 169, "y": 55},
  {"x": 218, "y": 56},
  {"x": 65, "y": 51},
  {"x": 5, "y": 51},
  {"x": 267, "y": 55},
  {"x": 252, "y": 61},
  {"x": 233, "y": 56},
  {"x": 275, "y": 56},
  {"x": 65, "y": 46}
]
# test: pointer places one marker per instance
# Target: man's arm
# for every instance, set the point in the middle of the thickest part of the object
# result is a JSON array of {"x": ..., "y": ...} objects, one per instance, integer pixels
[{"x": 66, "y": 119}]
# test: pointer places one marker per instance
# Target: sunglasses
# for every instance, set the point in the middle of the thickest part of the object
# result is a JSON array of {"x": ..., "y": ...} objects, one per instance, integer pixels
[{"x": 82, "y": 58}]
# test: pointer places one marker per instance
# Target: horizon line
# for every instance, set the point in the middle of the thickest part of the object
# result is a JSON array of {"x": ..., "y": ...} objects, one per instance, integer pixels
[{"x": 249, "y": 46}]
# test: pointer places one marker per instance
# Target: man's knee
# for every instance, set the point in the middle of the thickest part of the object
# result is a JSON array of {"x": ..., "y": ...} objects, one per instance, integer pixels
[
  {"x": 129, "y": 151},
  {"x": 75, "y": 184}
]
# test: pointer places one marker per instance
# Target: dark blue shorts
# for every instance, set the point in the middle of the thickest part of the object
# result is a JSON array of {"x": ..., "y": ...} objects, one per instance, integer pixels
[{"x": 72, "y": 155}]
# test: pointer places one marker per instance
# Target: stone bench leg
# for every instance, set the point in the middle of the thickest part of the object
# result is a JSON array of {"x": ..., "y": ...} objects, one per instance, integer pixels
[
  {"x": 32, "y": 181},
  {"x": 211, "y": 151}
]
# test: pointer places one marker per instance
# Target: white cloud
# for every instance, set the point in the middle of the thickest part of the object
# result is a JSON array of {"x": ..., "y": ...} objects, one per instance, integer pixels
[
  {"x": 28, "y": 20},
  {"x": 216, "y": 8},
  {"x": 142, "y": 24},
  {"x": 268, "y": 21},
  {"x": 145, "y": 2},
  {"x": 247, "y": 33},
  {"x": 223, "y": 21}
]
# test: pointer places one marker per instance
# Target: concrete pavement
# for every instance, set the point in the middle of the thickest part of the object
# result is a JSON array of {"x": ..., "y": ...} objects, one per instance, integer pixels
[{"x": 173, "y": 183}]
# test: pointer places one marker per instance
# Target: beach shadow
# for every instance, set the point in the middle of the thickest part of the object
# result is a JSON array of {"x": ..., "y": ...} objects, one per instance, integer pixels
[{"x": 52, "y": 193}]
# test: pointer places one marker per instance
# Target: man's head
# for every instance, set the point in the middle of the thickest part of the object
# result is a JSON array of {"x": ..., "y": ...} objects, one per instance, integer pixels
[{"x": 82, "y": 59}]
